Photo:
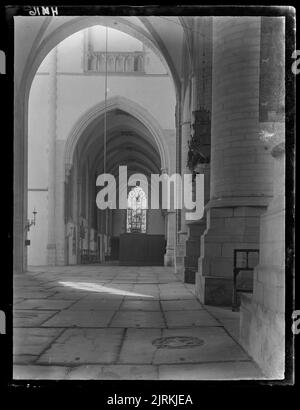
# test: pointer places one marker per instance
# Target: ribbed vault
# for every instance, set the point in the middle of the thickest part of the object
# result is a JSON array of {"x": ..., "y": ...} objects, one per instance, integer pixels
[{"x": 128, "y": 143}]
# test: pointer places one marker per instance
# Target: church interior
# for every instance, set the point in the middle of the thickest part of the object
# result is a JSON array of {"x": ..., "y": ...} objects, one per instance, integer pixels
[{"x": 143, "y": 293}]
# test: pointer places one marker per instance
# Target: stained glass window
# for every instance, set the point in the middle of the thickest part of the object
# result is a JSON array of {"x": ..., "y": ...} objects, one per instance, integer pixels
[{"x": 136, "y": 211}]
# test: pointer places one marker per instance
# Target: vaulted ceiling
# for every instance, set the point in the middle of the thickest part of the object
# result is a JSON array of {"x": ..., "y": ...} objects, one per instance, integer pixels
[
  {"x": 37, "y": 36},
  {"x": 129, "y": 143}
]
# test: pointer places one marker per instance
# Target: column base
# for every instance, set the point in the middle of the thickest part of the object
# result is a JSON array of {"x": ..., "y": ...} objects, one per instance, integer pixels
[
  {"x": 180, "y": 254},
  {"x": 228, "y": 228},
  {"x": 190, "y": 269},
  {"x": 179, "y": 259},
  {"x": 267, "y": 348},
  {"x": 192, "y": 250},
  {"x": 169, "y": 258},
  {"x": 262, "y": 326},
  {"x": 213, "y": 290},
  {"x": 192, "y": 253},
  {"x": 51, "y": 254}
]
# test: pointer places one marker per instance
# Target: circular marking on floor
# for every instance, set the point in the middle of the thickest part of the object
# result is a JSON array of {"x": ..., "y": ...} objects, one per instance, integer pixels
[{"x": 177, "y": 342}]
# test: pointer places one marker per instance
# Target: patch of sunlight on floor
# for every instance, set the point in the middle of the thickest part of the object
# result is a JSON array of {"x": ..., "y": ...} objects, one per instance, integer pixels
[{"x": 93, "y": 287}]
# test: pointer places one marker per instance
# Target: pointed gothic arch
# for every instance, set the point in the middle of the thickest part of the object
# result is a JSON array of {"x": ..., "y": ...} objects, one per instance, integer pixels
[{"x": 127, "y": 106}]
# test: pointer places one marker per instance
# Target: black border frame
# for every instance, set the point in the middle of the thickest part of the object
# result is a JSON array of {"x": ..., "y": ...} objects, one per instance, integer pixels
[{"x": 144, "y": 388}]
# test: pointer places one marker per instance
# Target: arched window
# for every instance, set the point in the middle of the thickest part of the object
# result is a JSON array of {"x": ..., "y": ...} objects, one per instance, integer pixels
[{"x": 136, "y": 211}]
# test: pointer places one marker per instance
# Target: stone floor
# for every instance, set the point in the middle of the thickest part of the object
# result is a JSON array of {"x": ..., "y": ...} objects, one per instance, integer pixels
[{"x": 113, "y": 322}]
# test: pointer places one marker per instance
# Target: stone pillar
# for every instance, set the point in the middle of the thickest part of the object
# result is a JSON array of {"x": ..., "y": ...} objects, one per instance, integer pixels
[
  {"x": 185, "y": 126},
  {"x": 241, "y": 169},
  {"x": 171, "y": 238},
  {"x": 202, "y": 62},
  {"x": 195, "y": 231},
  {"x": 56, "y": 180},
  {"x": 51, "y": 247},
  {"x": 178, "y": 159},
  {"x": 186, "y": 134},
  {"x": 60, "y": 227},
  {"x": 78, "y": 212},
  {"x": 20, "y": 182},
  {"x": 170, "y": 217},
  {"x": 262, "y": 325},
  {"x": 182, "y": 234},
  {"x": 201, "y": 134}
]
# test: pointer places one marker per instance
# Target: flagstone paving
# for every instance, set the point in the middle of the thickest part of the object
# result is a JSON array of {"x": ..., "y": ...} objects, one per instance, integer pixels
[{"x": 121, "y": 323}]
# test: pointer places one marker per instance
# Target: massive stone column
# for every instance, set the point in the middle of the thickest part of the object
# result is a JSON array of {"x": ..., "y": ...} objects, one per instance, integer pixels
[
  {"x": 51, "y": 247},
  {"x": 262, "y": 326},
  {"x": 241, "y": 169},
  {"x": 262, "y": 314}
]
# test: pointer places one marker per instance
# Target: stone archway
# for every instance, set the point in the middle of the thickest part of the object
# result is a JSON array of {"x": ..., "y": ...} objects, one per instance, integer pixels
[
  {"x": 23, "y": 82},
  {"x": 84, "y": 145},
  {"x": 127, "y": 106}
]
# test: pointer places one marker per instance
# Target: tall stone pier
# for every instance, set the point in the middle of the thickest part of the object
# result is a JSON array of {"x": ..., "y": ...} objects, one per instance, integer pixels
[
  {"x": 262, "y": 326},
  {"x": 241, "y": 168}
]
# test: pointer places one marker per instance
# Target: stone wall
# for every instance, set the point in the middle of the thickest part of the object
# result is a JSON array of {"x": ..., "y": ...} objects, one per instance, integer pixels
[
  {"x": 60, "y": 94},
  {"x": 262, "y": 326},
  {"x": 241, "y": 168}
]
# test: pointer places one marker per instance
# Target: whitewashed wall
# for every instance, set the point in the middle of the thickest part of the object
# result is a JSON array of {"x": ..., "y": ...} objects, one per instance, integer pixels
[{"x": 77, "y": 92}]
